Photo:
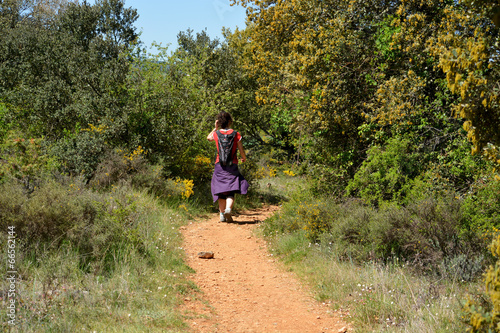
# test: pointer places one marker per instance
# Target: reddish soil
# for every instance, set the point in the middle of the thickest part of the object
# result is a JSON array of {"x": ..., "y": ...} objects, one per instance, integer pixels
[{"x": 243, "y": 288}]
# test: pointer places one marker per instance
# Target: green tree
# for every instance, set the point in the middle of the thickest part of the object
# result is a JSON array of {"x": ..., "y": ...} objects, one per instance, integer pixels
[
  {"x": 467, "y": 47},
  {"x": 65, "y": 74}
]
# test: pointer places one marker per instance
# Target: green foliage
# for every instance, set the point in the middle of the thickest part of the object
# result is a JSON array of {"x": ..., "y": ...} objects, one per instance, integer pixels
[
  {"x": 63, "y": 76},
  {"x": 385, "y": 172},
  {"x": 4, "y": 123},
  {"x": 165, "y": 100},
  {"x": 383, "y": 41},
  {"x": 482, "y": 207},
  {"x": 466, "y": 47},
  {"x": 25, "y": 160},
  {"x": 486, "y": 318},
  {"x": 360, "y": 96},
  {"x": 81, "y": 153},
  {"x": 460, "y": 167},
  {"x": 372, "y": 296},
  {"x": 311, "y": 218},
  {"x": 54, "y": 214},
  {"x": 93, "y": 259},
  {"x": 426, "y": 233},
  {"x": 117, "y": 168},
  {"x": 68, "y": 71}
]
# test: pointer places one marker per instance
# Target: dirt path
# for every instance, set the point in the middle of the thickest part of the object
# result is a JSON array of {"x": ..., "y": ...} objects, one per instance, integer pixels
[{"x": 244, "y": 289}]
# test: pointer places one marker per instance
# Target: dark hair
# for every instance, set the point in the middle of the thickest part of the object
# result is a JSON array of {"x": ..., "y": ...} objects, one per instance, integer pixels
[{"x": 224, "y": 119}]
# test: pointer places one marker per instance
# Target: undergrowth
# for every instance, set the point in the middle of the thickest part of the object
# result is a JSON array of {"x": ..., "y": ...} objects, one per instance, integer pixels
[
  {"x": 397, "y": 268},
  {"x": 93, "y": 261}
]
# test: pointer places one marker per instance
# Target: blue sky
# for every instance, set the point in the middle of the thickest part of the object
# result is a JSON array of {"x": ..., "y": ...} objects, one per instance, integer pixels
[{"x": 161, "y": 20}]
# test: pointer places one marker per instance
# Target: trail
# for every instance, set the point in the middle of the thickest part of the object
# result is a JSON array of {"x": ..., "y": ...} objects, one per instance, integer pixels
[{"x": 243, "y": 288}]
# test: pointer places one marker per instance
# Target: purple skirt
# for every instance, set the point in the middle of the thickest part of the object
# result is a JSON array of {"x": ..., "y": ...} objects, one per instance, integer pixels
[{"x": 227, "y": 178}]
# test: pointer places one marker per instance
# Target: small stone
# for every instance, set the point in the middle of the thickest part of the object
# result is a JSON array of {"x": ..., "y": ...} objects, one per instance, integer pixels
[
  {"x": 205, "y": 255},
  {"x": 343, "y": 329}
]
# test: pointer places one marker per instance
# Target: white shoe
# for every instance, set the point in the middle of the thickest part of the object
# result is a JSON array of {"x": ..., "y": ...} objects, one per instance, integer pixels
[{"x": 227, "y": 215}]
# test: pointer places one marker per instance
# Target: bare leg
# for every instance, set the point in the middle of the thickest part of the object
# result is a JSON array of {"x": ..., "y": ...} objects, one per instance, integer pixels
[
  {"x": 229, "y": 206},
  {"x": 229, "y": 203},
  {"x": 222, "y": 205}
]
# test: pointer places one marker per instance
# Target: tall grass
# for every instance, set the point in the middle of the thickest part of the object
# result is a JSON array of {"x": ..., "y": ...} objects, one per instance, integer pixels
[
  {"x": 374, "y": 296},
  {"x": 392, "y": 268},
  {"x": 106, "y": 262}
]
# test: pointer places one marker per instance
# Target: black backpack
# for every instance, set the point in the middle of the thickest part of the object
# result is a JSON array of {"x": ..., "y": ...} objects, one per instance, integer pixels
[{"x": 226, "y": 142}]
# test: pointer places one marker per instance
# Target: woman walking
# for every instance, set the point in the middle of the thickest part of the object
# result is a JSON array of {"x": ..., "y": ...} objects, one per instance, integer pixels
[{"x": 226, "y": 179}]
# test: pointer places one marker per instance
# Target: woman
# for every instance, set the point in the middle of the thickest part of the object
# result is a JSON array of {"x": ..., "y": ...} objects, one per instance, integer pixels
[{"x": 226, "y": 179}]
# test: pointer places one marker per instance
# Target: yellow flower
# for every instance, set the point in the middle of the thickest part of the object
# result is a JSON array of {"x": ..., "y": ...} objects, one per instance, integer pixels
[{"x": 187, "y": 187}]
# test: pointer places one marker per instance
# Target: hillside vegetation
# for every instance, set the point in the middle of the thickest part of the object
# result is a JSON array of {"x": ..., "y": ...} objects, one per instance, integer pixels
[{"x": 376, "y": 124}]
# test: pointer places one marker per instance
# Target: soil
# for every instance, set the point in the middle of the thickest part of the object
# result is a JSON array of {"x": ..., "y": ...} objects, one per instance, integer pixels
[{"x": 243, "y": 288}]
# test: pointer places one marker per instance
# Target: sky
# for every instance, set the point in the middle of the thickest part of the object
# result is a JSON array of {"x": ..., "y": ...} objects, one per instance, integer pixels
[{"x": 162, "y": 20}]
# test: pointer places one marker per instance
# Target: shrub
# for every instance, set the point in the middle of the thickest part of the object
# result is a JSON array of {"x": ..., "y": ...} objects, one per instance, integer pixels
[
  {"x": 482, "y": 207},
  {"x": 486, "y": 317},
  {"x": 25, "y": 159},
  {"x": 426, "y": 233},
  {"x": 56, "y": 213},
  {"x": 124, "y": 169},
  {"x": 5, "y": 124},
  {"x": 81, "y": 153},
  {"x": 199, "y": 169},
  {"x": 384, "y": 173},
  {"x": 350, "y": 234},
  {"x": 48, "y": 213},
  {"x": 96, "y": 275},
  {"x": 118, "y": 166},
  {"x": 327, "y": 180},
  {"x": 252, "y": 171},
  {"x": 298, "y": 214}
]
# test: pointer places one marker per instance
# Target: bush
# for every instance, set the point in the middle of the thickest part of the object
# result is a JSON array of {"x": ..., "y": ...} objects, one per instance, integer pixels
[
  {"x": 81, "y": 153},
  {"x": 486, "y": 317},
  {"x": 57, "y": 213},
  {"x": 300, "y": 214},
  {"x": 326, "y": 179},
  {"x": 118, "y": 166},
  {"x": 5, "y": 124},
  {"x": 93, "y": 270},
  {"x": 426, "y": 233},
  {"x": 132, "y": 169},
  {"x": 199, "y": 169},
  {"x": 25, "y": 159},
  {"x": 482, "y": 208},
  {"x": 384, "y": 173}
]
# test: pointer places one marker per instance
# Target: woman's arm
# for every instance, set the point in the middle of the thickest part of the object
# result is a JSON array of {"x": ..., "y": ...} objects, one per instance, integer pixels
[
  {"x": 210, "y": 137},
  {"x": 242, "y": 151}
]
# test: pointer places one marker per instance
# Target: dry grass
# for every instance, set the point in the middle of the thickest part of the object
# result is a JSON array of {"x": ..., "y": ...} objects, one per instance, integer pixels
[
  {"x": 379, "y": 294},
  {"x": 138, "y": 288}
]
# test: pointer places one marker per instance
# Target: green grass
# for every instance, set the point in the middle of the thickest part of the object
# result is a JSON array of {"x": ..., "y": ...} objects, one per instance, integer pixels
[
  {"x": 139, "y": 292},
  {"x": 387, "y": 295},
  {"x": 371, "y": 296},
  {"x": 132, "y": 277},
  {"x": 103, "y": 257}
]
